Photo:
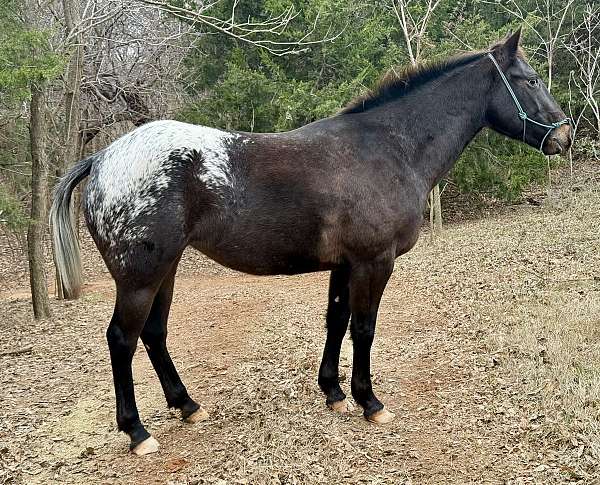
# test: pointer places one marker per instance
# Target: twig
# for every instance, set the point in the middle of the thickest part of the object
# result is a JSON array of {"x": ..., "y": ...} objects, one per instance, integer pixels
[{"x": 24, "y": 350}]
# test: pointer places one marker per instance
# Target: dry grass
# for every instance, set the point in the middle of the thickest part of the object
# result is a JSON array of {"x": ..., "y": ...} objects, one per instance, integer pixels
[
  {"x": 550, "y": 340},
  {"x": 488, "y": 349}
]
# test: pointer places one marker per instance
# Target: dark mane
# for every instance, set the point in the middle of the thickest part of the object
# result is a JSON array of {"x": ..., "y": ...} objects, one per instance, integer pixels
[{"x": 399, "y": 82}]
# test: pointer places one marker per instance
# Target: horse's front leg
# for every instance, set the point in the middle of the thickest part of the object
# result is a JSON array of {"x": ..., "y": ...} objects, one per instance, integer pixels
[
  {"x": 338, "y": 315},
  {"x": 367, "y": 282}
]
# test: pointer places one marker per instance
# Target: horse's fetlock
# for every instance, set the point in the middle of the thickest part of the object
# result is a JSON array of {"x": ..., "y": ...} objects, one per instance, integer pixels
[
  {"x": 128, "y": 423},
  {"x": 327, "y": 382},
  {"x": 178, "y": 397}
]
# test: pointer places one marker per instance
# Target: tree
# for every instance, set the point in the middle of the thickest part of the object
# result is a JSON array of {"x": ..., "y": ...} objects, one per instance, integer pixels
[
  {"x": 25, "y": 49},
  {"x": 584, "y": 47},
  {"x": 72, "y": 96},
  {"x": 39, "y": 202}
]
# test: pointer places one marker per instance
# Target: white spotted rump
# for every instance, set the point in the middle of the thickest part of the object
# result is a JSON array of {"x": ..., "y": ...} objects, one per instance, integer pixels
[{"x": 135, "y": 168}]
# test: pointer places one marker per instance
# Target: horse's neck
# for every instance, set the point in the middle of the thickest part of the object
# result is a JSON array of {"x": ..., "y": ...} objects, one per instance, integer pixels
[{"x": 434, "y": 125}]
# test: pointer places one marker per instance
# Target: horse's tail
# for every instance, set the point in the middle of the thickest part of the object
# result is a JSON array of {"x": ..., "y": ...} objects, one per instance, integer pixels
[{"x": 64, "y": 232}]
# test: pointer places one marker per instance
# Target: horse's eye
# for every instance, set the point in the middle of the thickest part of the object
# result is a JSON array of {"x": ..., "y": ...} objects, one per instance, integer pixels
[{"x": 533, "y": 82}]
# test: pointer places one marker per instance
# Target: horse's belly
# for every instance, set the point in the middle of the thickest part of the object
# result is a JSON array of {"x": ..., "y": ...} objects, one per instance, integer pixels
[{"x": 260, "y": 259}]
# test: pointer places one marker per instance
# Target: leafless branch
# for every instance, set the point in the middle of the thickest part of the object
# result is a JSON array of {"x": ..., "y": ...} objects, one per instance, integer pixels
[{"x": 264, "y": 34}]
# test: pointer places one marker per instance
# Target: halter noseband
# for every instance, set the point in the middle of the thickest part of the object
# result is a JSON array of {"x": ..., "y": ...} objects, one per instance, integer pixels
[{"x": 522, "y": 113}]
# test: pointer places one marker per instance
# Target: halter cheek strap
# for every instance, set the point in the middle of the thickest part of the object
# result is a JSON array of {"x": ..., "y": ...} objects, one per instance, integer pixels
[{"x": 522, "y": 113}]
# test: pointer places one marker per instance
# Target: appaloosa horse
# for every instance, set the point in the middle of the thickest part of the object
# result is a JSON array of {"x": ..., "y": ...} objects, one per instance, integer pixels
[{"x": 344, "y": 194}]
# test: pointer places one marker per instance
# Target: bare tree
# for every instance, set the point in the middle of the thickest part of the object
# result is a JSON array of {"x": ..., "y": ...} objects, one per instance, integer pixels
[
  {"x": 132, "y": 69},
  {"x": 73, "y": 45},
  {"x": 584, "y": 46},
  {"x": 72, "y": 95},
  {"x": 414, "y": 23}
]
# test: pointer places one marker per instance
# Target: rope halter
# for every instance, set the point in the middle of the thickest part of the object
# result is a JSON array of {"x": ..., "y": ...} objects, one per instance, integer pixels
[{"x": 522, "y": 113}]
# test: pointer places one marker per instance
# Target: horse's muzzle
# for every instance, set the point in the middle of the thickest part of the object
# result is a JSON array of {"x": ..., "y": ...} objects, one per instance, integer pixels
[{"x": 559, "y": 141}]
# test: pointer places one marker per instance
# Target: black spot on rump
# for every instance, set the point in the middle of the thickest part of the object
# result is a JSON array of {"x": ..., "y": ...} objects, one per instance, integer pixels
[{"x": 189, "y": 160}]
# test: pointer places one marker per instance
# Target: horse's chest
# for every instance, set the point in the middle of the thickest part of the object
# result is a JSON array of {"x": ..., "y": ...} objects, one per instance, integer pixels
[{"x": 407, "y": 237}]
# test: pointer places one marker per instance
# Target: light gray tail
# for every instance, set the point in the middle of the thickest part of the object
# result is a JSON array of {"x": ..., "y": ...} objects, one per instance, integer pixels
[{"x": 64, "y": 232}]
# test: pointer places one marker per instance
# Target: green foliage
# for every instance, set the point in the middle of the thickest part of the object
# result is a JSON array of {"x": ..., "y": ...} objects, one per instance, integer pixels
[
  {"x": 12, "y": 215},
  {"x": 26, "y": 60},
  {"x": 25, "y": 54},
  {"x": 246, "y": 89},
  {"x": 499, "y": 166},
  {"x": 14, "y": 174},
  {"x": 589, "y": 147},
  {"x": 11, "y": 212},
  {"x": 243, "y": 88}
]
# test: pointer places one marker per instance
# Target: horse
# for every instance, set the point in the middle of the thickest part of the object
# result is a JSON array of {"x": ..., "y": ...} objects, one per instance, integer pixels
[{"x": 344, "y": 194}]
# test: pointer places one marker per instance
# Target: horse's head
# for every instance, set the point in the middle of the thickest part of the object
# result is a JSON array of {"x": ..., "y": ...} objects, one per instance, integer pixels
[{"x": 520, "y": 104}]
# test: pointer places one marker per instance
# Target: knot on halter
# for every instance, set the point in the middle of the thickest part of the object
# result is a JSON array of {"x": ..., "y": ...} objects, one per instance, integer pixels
[
  {"x": 556, "y": 124},
  {"x": 522, "y": 113}
]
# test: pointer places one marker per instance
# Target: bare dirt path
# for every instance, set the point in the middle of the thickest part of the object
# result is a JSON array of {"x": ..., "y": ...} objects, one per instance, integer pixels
[{"x": 248, "y": 348}]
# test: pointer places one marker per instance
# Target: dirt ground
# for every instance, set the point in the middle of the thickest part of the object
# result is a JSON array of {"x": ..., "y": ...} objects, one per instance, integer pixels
[{"x": 487, "y": 349}]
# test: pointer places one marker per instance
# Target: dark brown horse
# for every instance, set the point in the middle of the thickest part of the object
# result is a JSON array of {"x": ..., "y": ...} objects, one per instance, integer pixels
[{"x": 345, "y": 194}]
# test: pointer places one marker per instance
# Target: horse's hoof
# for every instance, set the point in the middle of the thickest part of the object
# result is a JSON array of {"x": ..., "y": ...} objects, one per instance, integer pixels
[
  {"x": 344, "y": 406},
  {"x": 149, "y": 445},
  {"x": 381, "y": 417},
  {"x": 197, "y": 416}
]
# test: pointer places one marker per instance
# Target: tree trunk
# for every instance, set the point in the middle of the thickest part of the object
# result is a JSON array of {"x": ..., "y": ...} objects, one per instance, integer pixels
[
  {"x": 435, "y": 212},
  {"x": 72, "y": 140},
  {"x": 39, "y": 205},
  {"x": 550, "y": 61},
  {"x": 74, "y": 71}
]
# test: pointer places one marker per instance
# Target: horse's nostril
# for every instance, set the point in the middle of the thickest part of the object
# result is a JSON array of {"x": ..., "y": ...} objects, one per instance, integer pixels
[
  {"x": 563, "y": 143},
  {"x": 562, "y": 136}
]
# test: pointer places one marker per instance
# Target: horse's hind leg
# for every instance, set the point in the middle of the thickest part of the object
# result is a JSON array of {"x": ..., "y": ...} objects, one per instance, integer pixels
[
  {"x": 154, "y": 337},
  {"x": 131, "y": 310},
  {"x": 338, "y": 314}
]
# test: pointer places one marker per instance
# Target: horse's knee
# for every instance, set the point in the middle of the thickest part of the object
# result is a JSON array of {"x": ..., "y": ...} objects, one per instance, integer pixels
[
  {"x": 120, "y": 345},
  {"x": 363, "y": 334}
]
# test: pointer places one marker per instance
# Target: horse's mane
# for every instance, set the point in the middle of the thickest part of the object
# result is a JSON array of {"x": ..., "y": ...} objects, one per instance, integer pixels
[{"x": 399, "y": 82}]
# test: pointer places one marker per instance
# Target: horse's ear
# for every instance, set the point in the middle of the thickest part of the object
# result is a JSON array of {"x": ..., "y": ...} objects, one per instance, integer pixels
[
  {"x": 511, "y": 45},
  {"x": 506, "y": 50}
]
